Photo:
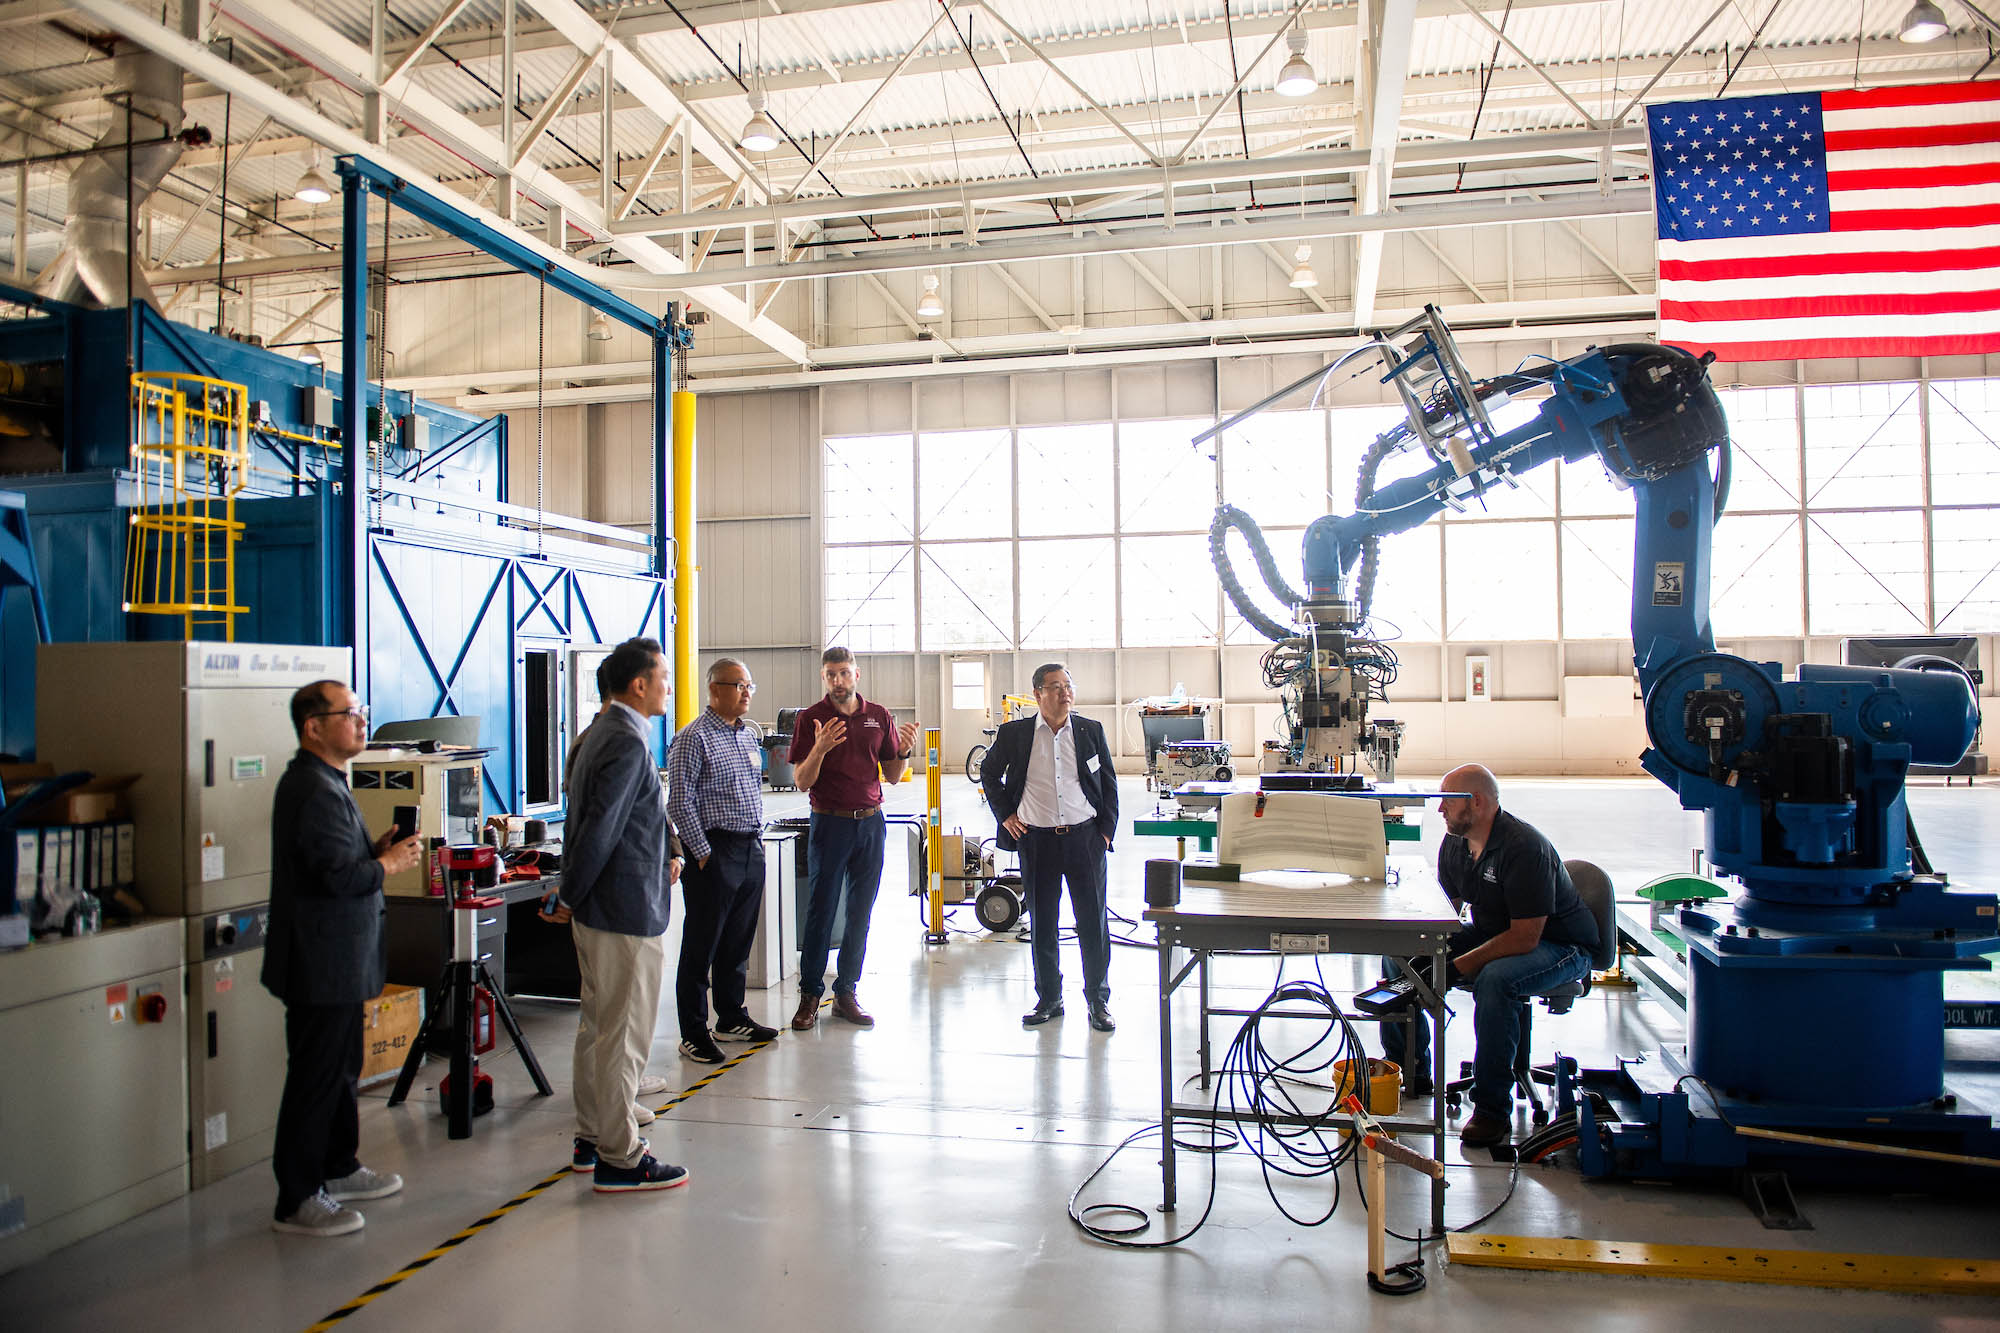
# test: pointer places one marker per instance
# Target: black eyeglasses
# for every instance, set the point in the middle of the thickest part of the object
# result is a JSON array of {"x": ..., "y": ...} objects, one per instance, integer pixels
[
  {"x": 747, "y": 686},
  {"x": 359, "y": 713}
]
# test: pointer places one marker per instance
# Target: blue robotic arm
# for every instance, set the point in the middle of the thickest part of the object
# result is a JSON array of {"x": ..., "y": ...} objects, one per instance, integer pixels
[{"x": 1800, "y": 778}]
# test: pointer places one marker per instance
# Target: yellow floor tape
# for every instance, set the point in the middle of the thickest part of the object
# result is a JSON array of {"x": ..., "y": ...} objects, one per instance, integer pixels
[
  {"x": 1802, "y": 1268},
  {"x": 457, "y": 1238}
]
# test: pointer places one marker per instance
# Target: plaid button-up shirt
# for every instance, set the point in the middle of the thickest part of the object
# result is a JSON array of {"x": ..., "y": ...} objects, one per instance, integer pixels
[{"x": 714, "y": 780}]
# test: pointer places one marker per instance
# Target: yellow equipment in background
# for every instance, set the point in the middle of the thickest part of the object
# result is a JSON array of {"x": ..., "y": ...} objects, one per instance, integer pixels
[
  {"x": 191, "y": 453},
  {"x": 1011, "y": 707},
  {"x": 934, "y": 834}
]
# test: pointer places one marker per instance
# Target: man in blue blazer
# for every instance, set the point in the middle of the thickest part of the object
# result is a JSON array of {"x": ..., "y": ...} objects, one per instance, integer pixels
[{"x": 1054, "y": 792}]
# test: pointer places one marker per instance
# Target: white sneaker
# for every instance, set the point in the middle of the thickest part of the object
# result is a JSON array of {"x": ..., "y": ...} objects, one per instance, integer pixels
[
  {"x": 365, "y": 1184},
  {"x": 651, "y": 1085},
  {"x": 320, "y": 1216},
  {"x": 641, "y": 1114}
]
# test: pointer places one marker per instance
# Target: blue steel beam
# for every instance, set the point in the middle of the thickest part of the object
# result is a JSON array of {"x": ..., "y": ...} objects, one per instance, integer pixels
[
  {"x": 663, "y": 472},
  {"x": 501, "y": 246},
  {"x": 350, "y": 565}
]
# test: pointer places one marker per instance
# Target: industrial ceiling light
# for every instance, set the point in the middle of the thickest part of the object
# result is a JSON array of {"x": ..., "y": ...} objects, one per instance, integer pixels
[
  {"x": 1296, "y": 78},
  {"x": 310, "y": 355},
  {"x": 600, "y": 328},
  {"x": 760, "y": 135},
  {"x": 930, "y": 305},
  {"x": 1924, "y": 23},
  {"x": 315, "y": 187},
  {"x": 1302, "y": 269}
]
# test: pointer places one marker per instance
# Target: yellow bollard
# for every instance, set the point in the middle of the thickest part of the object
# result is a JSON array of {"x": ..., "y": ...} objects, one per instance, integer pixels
[{"x": 934, "y": 832}]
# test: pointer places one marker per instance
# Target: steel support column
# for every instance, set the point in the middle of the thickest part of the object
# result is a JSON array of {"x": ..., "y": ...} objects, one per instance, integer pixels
[
  {"x": 348, "y": 565},
  {"x": 663, "y": 475}
]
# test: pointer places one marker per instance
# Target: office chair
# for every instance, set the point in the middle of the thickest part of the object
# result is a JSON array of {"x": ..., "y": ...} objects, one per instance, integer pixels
[{"x": 1593, "y": 886}]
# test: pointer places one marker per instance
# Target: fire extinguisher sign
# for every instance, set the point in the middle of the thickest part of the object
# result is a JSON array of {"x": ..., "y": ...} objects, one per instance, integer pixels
[{"x": 1669, "y": 582}]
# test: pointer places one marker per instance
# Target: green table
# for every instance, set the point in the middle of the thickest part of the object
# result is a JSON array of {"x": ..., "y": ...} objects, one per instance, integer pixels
[{"x": 1180, "y": 830}]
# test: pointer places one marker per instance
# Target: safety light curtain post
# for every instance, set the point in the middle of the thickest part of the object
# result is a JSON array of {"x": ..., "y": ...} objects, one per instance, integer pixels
[{"x": 191, "y": 456}]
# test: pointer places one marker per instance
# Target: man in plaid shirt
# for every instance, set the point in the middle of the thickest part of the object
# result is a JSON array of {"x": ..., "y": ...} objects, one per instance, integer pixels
[{"x": 715, "y": 796}]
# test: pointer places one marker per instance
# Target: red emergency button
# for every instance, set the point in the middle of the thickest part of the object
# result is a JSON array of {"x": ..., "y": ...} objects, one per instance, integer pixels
[{"x": 153, "y": 1008}]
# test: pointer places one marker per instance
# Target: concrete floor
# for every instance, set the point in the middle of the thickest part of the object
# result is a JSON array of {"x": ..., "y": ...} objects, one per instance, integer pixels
[{"x": 916, "y": 1174}]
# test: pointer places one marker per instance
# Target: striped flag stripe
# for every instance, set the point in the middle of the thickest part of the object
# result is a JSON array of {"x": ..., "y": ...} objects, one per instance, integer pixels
[
  {"x": 1951, "y": 155},
  {"x": 1846, "y": 305},
  {"x": 1912, "y": 136},
  {"x": 1959, "y": 113},
  {"x": 1923, "y": 201},
  {"x": 1915, "y": 219},
  {"x": 1832, "y": 246},
  {"x": 1913, "y": 178},
  {"x": 1788, "y": 349},
  {"x": 1919, "y": 94},
  {"x": 1766, "y": 287},
  {"x": 1967, "y": 323}
]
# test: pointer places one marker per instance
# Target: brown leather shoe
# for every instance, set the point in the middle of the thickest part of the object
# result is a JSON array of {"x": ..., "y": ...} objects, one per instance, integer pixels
[
  {"x": 845, "y": 1006},
  {"x": 807, "y": 1017},
  {"x": 1484, "y": 1130}
]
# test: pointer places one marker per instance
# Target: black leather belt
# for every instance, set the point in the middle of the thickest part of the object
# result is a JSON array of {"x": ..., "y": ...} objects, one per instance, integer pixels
[
  {"x": 1060, "y": 830},
  {"x": 866, "y": 812}
]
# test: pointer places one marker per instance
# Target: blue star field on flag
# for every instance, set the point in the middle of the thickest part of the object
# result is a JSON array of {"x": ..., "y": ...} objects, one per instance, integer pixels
[{"x": 1747, "y": 166}]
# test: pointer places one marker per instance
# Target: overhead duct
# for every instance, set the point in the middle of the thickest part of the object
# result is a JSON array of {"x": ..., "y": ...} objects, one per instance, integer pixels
[{"x": 91, "y": 270}]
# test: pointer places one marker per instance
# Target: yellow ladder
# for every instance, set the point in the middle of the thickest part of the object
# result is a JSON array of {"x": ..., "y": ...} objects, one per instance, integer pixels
[{"x": 190, "y": 457}]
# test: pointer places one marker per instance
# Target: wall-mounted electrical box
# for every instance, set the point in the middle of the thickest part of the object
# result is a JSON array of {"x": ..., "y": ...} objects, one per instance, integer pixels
[{"x": 316, "y": 407}]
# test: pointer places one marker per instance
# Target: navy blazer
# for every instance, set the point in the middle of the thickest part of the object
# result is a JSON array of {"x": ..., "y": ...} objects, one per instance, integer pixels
[
  {"x": 615, "y": 830},
  {"x": 324, "y": 939},
  {"x": 1003, "y": 774}
]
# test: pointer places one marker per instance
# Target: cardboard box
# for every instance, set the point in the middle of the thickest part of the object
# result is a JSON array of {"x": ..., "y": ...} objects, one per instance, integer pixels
[
  {"x": 100, "y": 799},
  {"x": 389, "y": 1025}
]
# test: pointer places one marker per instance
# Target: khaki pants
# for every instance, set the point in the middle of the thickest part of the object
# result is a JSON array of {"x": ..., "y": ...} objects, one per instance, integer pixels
[{"x": 619, "y": 1005}]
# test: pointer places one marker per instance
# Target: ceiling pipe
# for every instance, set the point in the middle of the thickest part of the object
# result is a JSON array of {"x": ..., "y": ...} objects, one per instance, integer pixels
[
  {"x": 1189, "y": 175},
  {"x": 108, "y": 189}
]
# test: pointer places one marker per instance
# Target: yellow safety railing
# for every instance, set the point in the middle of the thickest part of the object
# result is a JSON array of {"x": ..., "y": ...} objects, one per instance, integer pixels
[{"x": 191, "y": 456}]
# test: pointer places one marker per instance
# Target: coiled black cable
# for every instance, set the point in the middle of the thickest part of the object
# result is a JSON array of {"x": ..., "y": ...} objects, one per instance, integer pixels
[
  {"x": 1256, "y": 1085},
  {"x": 1228, "y": 516}
]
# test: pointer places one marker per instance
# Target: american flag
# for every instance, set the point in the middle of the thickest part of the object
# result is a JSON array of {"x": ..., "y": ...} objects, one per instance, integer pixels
[{"x": 1830, "y": 224}]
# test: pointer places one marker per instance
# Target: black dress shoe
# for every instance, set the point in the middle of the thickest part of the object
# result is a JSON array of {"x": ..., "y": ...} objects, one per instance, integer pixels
[
  {"x": 1042, "y": 1013},
  {"x": 1100, "y": 1018}
]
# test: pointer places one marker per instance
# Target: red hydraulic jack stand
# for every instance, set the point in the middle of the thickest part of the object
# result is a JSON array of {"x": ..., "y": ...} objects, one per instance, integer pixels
[{"x": 453, "y": 1016}]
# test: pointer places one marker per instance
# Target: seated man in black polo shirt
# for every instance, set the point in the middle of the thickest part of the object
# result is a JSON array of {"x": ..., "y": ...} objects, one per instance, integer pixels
[{"x": 1529, "y": 932}]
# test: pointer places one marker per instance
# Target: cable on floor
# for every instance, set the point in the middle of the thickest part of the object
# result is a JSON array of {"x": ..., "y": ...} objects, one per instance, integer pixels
[{"x": 1255, "y": 1083}]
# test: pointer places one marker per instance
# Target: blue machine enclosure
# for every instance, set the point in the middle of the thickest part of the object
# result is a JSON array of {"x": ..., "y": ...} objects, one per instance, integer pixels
[{"x": 456, "y": 585}]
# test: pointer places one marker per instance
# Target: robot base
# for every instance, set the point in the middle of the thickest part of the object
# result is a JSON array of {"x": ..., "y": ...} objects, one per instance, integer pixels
[{"x": 1651, "y": 1119}]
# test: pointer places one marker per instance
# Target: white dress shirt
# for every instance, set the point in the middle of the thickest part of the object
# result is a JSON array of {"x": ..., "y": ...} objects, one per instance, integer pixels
[{"x": 1052, "y": 797}]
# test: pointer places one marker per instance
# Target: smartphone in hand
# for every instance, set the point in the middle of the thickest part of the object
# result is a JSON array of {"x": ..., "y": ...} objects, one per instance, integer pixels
[{"x": 406, "y": 822}]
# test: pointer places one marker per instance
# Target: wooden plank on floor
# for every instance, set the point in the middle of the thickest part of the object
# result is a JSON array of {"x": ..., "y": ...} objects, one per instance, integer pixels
[{"x": 1802, "y": 1268}]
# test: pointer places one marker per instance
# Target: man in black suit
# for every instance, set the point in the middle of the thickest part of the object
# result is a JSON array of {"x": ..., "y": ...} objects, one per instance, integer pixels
[
  {"x": 323, "y": 958},
  {"x": 1050, "y": 782}
]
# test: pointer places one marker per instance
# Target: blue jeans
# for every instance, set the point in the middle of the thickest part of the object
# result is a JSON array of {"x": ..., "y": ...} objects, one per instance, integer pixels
[
  {"x": 1498, "y": 992},
  {"x": 842, "y": 856}
]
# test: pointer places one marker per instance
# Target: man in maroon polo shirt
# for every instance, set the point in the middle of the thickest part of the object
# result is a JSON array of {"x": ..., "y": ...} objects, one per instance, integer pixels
[{"x": 843, "y": 749}]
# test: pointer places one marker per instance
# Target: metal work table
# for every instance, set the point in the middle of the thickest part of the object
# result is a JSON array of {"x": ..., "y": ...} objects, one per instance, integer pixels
[{"x": 1407, "y": 915}]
